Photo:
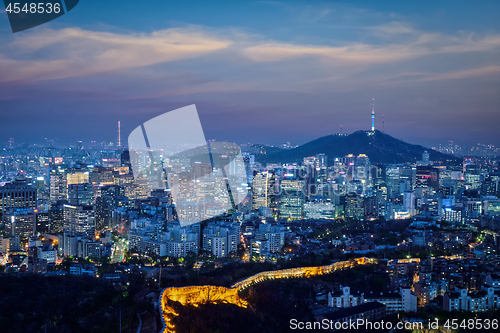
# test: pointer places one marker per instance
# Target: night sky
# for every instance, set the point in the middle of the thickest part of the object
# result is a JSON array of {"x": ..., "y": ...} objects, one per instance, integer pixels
[{"x": 262, "y": 71}]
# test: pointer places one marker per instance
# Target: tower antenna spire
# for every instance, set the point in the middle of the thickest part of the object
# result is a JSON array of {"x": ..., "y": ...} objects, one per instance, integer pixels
[
  {"x": 119, "y": 135},
  {"x": 373, "y": 115},
  {"x": 383, "y": 123}
]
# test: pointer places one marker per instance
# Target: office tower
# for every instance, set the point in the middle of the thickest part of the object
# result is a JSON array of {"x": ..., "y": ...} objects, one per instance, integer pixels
[
  {"x": 42, "y": 222},
  {"x": 292, "y": 199},
  {"x": 322, "y": 166},
  {"x": 58, "y": 183},
  {"x": 488, "y": 188},
  {"x": 472, "y": 176},
  {"x": 20, "y": 222},
  {"x": 125, "y": 159},
  {"x": 68, "y": 244},
  {"x": 371, "y": 207},
  {"x": 79, "y": 220},
  {"x": 409, "y": 202},
  {"x": 362, "y": 168},
  {"x": 78, "y": 174},
  {"x": 311, "y": 175},
  {"x": 80, "y": 194},
  {"x": 17, "y": 194},
  {"x": 263, "y": 190},
  {"x": 354, "y": 206},
  {"x": 106, "y": 204},
  {"x": 101, "y": 175},
  {"x": 427, "y": 179},
  {"x": 425, "y": 158},
  {"x": 56, "y": 216}
]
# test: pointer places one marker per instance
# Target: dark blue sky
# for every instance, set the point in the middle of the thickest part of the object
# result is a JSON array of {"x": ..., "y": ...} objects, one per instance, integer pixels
[{"x": 264, "y": 71}]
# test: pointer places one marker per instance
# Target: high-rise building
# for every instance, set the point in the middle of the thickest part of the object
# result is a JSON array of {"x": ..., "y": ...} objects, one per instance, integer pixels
[
  {"x": 292, "y": 199},
  {"x": 263, "y": 190},
  {"x": 21, "y": 222},
  {"x": 80, "y": 194},
  {"x": 56, "y": 216},
  {"x": 221, "y": 239},
  {"x": 101, "y": 175},
  {"x": 427, "y": 178},
  {"x": 79, "y": 174},
  {"x": 354, "y": 206},
  {"x": 79, "y": 220},
  {"x": 58, "y": 183},
  {"x": 106, "y": 203},
  {"x": 16, "y": 195},
  {"x": 472, "y": 176}
]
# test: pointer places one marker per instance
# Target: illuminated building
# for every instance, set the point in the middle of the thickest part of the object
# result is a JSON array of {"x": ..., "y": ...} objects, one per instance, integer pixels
[
  {"x": 80, "y": 194},
  {"x": 221, "y": 239},
  {"x": 488, "y": 188},
  {"x": 16, "y": 195},
  {"x": 56, "y": 216},
  {"x": 460, "y": 299},
  {"x": 405, "y": 300},
  {"x": 89, "y": 248},
  {"x": 292, "y": 199},
  {"x": 427, "y": 179},
  {"x": 105, "y": 204},
  {"x": 20, "y": 222},
  {"x": 77, "y": 176},
  {"x": 68, "y": 244},
  {"x": 492, "y": 207},
  {"x": 319, "y": 209},
  {"x": 100, "y": 175},
  {"x": 58, "y": 184},
  {"x": 343, "y": 300},
  {"x": 79, "y": 220},
  {"x": 4, "y": 245},
  {"x": 354, "y": 206},
  {"x": 409, "y": 202},
  {"x": 472, "y": 176},
  {"x": 42, "y": 222},
  {"x": 263, "y": 190}
]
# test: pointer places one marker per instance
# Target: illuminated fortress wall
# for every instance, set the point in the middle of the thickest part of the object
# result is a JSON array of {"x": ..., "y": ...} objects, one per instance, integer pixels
[{"x": 196, "y": 295}]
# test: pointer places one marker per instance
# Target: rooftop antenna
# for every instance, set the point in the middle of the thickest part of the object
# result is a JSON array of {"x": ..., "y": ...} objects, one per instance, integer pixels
[
  {"x": 383, "y": 123},
  {"x": 340, "y": 129}
]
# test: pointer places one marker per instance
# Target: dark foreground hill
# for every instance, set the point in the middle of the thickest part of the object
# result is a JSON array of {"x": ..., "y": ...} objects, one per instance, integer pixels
[{"x": 381, "y": 148}]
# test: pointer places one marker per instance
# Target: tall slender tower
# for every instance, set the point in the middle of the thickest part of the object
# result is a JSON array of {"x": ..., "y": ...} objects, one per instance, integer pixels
[
  {"x": 119, "y": 135},
  {"x": 373, "y": 115}
]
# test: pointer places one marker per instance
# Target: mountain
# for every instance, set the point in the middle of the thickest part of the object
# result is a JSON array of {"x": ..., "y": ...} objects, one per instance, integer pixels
[{"x": 381, "y": 148}]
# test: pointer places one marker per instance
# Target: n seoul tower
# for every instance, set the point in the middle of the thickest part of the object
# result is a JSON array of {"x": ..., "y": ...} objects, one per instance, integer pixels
[{"x": 373, "y": 115}]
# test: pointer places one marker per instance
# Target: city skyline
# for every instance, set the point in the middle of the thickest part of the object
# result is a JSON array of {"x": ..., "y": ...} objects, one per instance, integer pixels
[{"x": 285, "y": 72}]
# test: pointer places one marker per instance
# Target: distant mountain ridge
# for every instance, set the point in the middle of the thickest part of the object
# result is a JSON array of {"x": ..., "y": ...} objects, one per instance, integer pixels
[{"x": 380, "y": 148}]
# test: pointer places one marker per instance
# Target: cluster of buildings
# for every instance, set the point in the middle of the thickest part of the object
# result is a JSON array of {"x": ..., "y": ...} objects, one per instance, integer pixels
[
  {"x": 402, "y": 300},
  {"x": 462, "y": 282},
  {"x": 69, "y": 202}
]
